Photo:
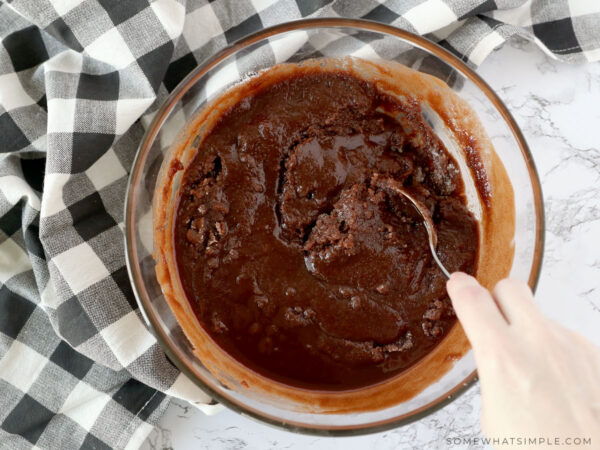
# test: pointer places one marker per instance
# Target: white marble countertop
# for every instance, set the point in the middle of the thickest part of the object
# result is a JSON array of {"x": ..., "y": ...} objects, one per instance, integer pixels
[{"x": 558, "y": 108}]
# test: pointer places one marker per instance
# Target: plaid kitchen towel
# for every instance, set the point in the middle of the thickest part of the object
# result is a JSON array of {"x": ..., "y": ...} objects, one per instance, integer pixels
[{"x": 78, "y": 369}]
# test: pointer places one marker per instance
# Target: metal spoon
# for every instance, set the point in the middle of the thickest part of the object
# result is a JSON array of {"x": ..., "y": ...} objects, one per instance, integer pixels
[{"x": 397, "y": 188}]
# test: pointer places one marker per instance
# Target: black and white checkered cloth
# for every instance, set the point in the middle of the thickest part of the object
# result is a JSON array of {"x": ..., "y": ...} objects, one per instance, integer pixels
[{"x": 79, "y": 80}]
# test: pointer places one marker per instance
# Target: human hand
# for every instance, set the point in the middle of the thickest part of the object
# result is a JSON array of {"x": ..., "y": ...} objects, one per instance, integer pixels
[{"x": 538, "y": 379}]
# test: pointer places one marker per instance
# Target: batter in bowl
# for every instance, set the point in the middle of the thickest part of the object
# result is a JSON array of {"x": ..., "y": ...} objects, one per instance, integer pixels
[{"x": 295, "y": 258}]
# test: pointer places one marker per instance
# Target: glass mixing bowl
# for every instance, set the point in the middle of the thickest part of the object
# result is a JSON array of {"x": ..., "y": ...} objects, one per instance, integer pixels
[{"x": 295, "y": 42}]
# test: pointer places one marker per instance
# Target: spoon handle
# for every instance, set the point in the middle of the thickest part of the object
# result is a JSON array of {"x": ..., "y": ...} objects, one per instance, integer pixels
[{"x": 397, "y": 188}]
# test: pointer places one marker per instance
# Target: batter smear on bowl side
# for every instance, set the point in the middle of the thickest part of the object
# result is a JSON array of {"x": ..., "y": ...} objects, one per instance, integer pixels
[{"x": 295, "y": 259}]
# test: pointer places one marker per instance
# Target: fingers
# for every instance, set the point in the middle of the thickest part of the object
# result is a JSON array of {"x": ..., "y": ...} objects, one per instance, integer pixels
[
  {"x": 515, "y": 299},
  {"x": 475, "y": 308}
]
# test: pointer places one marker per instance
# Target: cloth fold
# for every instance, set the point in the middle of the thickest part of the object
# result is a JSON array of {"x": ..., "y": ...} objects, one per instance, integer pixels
[{"x": 79, "y": 80}]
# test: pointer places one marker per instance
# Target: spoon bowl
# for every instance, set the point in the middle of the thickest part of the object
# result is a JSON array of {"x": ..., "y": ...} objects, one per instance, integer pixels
[{"x": 397, "y": 188}]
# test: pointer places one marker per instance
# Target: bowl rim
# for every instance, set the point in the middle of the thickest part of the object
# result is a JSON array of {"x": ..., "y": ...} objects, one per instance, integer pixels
[{"x": 135, "y": 277}]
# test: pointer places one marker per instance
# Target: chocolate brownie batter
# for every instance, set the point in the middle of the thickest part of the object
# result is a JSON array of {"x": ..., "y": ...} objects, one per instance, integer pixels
[{"x": 296, "y": 258}]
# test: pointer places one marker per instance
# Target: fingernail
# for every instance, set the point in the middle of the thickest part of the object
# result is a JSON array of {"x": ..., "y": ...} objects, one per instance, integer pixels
[{"x": 461, "y": 279}]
